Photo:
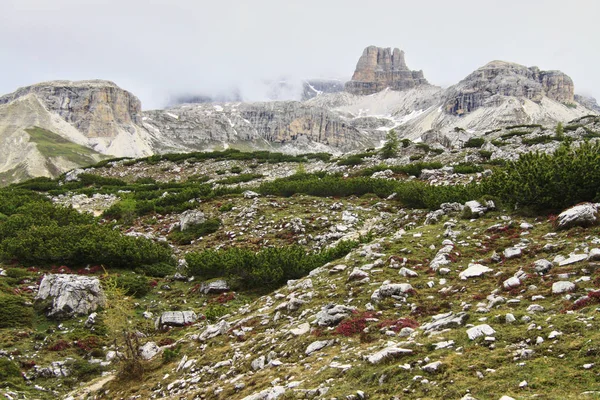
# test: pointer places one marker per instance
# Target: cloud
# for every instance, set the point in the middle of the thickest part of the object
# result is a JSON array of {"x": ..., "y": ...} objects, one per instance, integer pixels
[{"x": 159, "y": 49}]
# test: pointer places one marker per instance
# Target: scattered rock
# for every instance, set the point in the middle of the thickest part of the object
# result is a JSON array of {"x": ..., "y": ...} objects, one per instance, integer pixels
[
  {"x": 70, "y": 295},
  {"x": 149, "y": 350},
  {"x": 474, "y": 271},
  {"x": 190, "y": 218},
  {"x": 480, "y": 330},
  {"x": 318, "y": 345},
  {"x": 177, "y": 318},
  {"x": 562, "y": 287},
  {"x": 387, "y": 353},
  {"x": 214, "y": 287},
  {"x": 579, "y": 215}
]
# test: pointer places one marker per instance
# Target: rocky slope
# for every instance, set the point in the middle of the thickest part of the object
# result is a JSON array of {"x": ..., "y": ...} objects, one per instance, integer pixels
[
  {"x": 379, "y": 68},
  {"x": 471, "y": 300}
]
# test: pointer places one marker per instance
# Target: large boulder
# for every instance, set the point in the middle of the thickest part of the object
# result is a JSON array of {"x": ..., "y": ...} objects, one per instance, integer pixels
[
  {"x": 66, "y": 295},
  {"x": 190, "y": 218},
  {"x": 214, "y": 287},
  {"x": 581, "y": 215}
]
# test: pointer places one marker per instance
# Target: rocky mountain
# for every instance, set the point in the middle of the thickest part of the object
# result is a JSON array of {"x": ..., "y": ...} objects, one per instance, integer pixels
[
  {"x": 383, "y": 94},
  {"x": 488, "y": 84},
  {"x": 379, "y": 68}
]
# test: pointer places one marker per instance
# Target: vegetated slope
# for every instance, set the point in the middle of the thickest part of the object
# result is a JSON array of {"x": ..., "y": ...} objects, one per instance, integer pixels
[{"x": 404, "y": 296}]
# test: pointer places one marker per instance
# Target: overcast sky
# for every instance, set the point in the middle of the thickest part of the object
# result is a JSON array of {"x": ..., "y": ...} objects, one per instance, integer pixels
[{"x": 162, "y": 48}]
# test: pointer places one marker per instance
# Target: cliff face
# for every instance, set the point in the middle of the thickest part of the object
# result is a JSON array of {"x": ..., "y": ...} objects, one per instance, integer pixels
[
  {"x": 97, "y": 108},
  {"x": 265, "y": 124},
  {"x": 507, "y": 79},
  {"x": 379, "y": 68}
]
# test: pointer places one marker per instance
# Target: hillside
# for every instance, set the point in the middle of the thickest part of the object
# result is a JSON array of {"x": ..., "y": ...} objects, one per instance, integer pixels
[{"x": 435, "y": 273}]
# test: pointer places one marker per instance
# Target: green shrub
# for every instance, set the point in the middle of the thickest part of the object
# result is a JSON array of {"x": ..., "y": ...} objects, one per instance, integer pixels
[
  {"x": 195, "y": 231},
  {"x": 76, "y": 245},
  {"x": 474, "y": 142},
  {"x": 170, "y": 355},
  {"x": 539, "y": 139},
  {"x": 14, "y": 312},
  {"x": 159, "y": 270},
  {"x": 84, "y": 370},
  {"x": 236, "y": 170},
  {"x": 226, "y": 207},
  {"x": 351, "y": 160},
  {"x": 467, "y": 168},
  {"x": 485, "y": 154},
  {"x": 133, "y": 284},
  {"x": 239, "y": 179},
  {"x": 268, "y": 267},
  {"x": 8, "y": 369},
  {"x": 215, "y": 311},
  {"x": 549, "y": 182},
  {"x": 415, "y": 157}
]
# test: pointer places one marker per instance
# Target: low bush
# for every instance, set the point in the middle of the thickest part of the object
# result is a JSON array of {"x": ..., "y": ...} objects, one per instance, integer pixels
[
  {"x": 241, "y": 178},
  {"x": 467, "y": 168},
  {"x": 159, "y": 270},
  {"x": 14, "y": 312},
  {"x": 133, "y": 284},
  {"x": 195, "y": 231},
  {"x": 8, "y": 369},
  {"x": 549, "y": 182},
  {"x": 474, "y": 142},
  {"x": 268, "y": 267}
]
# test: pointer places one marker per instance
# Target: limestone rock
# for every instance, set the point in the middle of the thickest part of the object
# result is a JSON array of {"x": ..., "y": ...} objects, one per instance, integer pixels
[
  {"x": 562, "y": 287},
  {"x": 480, "y": 330},
  {"x": 474, "y": 271},
  {"x": 149, "y": 350},
  {"x": 387, "y": 353},
  {"x": 214, "y": 287},
  {"x": 579, "y": 215},
  {"x": 445, "y": 321},
  {"x": 71, "y": 294},
  {"x": 96, "y": 108},
  {"x": 318, "y": 345},
  {"x": 332, "y": 314},
  {"x": 391, "y": 289},
  {"x": 488, "y": 84},
  {"x": 177, "y": 318},
  {"x": 189, "y": 218},
  {"x": 379, "y": 68}
]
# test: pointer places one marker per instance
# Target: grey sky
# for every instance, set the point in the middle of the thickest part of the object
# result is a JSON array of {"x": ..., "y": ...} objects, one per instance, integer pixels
[{"x": 160, "y": 48}]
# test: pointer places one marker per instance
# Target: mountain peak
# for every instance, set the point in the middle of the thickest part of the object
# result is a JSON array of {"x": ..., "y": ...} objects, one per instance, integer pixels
[{"x": 379, "y": 68}]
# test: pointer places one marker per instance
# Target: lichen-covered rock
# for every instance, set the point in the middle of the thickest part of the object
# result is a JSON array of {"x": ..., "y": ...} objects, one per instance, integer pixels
[
  {"x": 70, "y": 295},
  {"x": 445, "y": 321},
  {"x": 391, "y": 289},
  {"x": 149, "y": 350},
  {"x": 387, "y": 353}
]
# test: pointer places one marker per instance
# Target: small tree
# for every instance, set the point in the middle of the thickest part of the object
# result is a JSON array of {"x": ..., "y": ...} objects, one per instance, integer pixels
[
  {"x": 560, "y": 131},
  {"x": 390, "y": 147}
]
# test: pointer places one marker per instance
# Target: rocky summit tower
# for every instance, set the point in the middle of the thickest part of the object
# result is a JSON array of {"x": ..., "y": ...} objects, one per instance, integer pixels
[{"x": 379, "y": 68}]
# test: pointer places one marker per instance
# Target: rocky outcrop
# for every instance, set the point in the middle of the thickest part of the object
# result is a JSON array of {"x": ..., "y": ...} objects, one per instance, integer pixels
[
  {"x": 379, "y": 68},
  {"x": 486, "y": 85},
  {"x": 96, "y": 108},
  {"x": 262, "y": 125},
  {"x": 588, "y": 102},
  {"x": 69, "y": 295}
]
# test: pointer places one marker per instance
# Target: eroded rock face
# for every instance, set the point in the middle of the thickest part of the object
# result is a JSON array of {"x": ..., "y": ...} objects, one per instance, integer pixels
[
  {"x": 96, "y": 108},
  {"x": 379, "y": 68},
  {"x": 71, "y": 295},
  {"x": 486, "y": 85}
]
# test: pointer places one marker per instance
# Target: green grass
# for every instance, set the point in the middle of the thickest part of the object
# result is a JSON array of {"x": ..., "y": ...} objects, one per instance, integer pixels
[{"x": 52, "y": 145}]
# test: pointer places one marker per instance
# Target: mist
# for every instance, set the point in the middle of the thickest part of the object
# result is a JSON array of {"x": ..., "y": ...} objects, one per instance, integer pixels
[{"x": 160, "y": 50}]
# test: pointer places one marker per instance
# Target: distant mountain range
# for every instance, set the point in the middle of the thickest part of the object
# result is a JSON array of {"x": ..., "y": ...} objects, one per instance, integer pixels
[{"x": 51, "y": 127}]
